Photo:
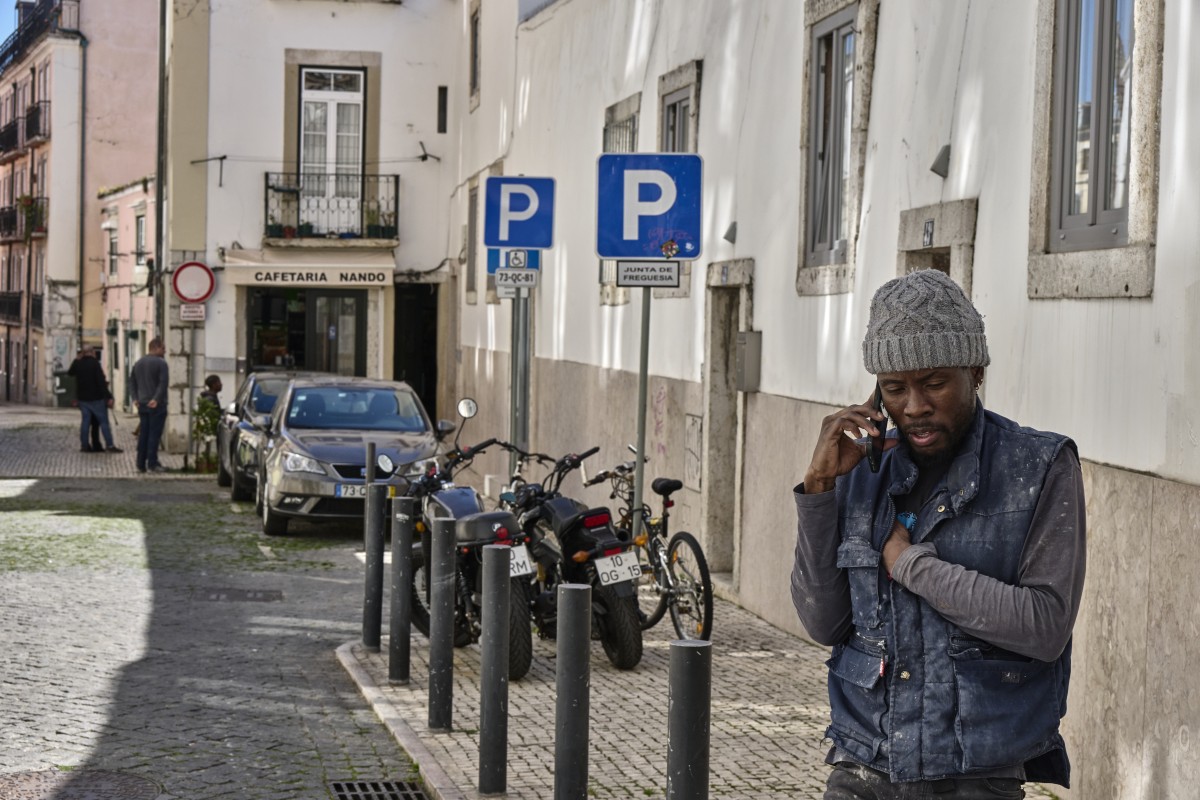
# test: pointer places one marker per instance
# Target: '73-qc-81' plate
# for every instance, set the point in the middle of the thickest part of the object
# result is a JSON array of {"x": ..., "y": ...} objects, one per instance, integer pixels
[{"x": 358, "y": 490}]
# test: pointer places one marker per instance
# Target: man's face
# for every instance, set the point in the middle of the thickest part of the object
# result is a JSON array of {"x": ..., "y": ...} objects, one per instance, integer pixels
[{"x": 933, "y": 409}]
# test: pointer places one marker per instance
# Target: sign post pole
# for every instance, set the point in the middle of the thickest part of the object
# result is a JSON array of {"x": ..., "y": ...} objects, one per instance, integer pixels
[
  {"x": 518, "y": 216},
  {"x": 648, "y": 212}
]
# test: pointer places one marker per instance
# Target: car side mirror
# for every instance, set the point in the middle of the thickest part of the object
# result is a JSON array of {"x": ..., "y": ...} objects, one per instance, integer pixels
[{"x": 444, "y": 428}]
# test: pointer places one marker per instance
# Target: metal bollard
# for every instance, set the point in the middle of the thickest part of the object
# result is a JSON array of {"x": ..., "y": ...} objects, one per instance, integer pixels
[
  {"x": 572, "y": 706},
  {"x": 369, "y": 472},
  {"x": 373, "y": 543},
  {"x": 441, "y": 626},
  {"x": 404, "y": 511},
  {"x": 688, "y": 716},
  {"x": 493, "y": 681}
]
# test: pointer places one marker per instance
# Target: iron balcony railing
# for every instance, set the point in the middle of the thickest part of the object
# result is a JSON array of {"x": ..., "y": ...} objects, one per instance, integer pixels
[
  {"x": 37, "y": 122},
  {"x": 11, "y": 140},
  {"x": 25, "y": 219},
  {"x": 10, "y": 306},
  {"x": 36, "y": 20},
  {"x": 330, "y": 206},
  {"x": 8, "y": 222}
]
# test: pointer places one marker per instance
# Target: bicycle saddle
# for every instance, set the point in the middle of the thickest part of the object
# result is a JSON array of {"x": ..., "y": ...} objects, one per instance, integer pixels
[{"x": 665, "y": 486}]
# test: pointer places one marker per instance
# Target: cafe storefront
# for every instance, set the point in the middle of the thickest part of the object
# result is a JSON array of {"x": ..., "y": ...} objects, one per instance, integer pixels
[{"x": 313, "y": 316}]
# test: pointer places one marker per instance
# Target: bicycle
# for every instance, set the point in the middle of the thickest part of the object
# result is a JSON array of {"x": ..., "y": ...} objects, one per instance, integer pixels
[{"x": 675, "y": 572}]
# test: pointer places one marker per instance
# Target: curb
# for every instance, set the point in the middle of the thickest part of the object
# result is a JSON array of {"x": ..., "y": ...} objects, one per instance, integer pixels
[{"x": 437, "y": 783}]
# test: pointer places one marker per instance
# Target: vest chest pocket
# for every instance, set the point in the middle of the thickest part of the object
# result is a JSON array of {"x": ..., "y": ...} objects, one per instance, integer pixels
[{"x": 861, "y": 563}]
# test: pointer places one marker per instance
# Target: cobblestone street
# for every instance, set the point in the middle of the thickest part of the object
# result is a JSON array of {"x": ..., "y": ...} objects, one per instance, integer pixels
[{"x": 153, "y": 638}]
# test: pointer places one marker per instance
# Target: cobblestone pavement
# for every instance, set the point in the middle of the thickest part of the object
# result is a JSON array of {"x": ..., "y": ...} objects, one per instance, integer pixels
[{"x": 151, "y": 632}]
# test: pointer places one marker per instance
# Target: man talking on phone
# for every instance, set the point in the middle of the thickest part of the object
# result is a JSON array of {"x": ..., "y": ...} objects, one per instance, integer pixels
[{"x": 947, "y": 582}]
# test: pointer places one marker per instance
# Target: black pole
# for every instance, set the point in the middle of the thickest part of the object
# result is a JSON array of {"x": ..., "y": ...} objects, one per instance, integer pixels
[
  {"x": 689, "y": 703},
  {"x": 572, "y": 706},
  {"x": 403, "y": 520},
  {"x": 373, "y": 587},
  {"x": 441, "y": 626},
  {"x": 493, "y": 680}
]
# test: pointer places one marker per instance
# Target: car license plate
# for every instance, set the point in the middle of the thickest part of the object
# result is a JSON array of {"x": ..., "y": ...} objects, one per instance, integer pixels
[
  {"x": 358, "y": 490},
  {"x": 518, "y": 561},
  {"x": 618, "y": 568}
]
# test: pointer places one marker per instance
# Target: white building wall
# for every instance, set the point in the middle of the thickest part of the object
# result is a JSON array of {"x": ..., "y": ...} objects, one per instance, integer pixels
[{"x": 1115, "y": 374}]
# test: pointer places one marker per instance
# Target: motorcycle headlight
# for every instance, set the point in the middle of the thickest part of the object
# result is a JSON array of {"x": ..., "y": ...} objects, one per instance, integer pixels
[
  {"x": 294, "y": 462},
  {"x": 418, "y": 468}
]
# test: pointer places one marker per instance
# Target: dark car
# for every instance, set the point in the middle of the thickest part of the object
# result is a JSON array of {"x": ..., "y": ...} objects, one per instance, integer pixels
[
  {"x": 312, "y": 455},
  {"x": 241, "y": 427}
]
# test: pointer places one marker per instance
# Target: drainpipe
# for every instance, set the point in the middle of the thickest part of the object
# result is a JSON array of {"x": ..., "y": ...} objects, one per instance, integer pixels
[
  {"x": 160, "y": 177},
  {"x": 83, "y": 45}
]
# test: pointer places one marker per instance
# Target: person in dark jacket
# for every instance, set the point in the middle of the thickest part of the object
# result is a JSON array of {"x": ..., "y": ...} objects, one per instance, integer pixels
[
  {"x": 94, "y": 399},
  {"x": 212, "y": 390},
  {"x": 148, "y": 383},
  {"x": 948, "y": 581}
]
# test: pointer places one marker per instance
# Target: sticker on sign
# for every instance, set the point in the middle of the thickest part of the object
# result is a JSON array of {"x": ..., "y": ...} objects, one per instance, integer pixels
[
  {"x": 520, "y": 278},
  {"x": 658, "y": 274}
]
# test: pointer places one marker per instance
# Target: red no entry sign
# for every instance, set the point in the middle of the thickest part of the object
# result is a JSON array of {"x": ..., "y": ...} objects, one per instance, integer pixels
[{"x": 193, "y": 282}]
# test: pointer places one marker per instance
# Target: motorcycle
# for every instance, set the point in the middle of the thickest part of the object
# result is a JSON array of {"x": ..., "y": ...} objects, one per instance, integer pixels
[
  {"x": 474, "y": 528},
  {"x": 572, "y": 543}
]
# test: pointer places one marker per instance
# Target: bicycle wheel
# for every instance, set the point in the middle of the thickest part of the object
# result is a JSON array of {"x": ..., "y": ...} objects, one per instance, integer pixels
[
  {"x": 650, "y": 594},
  {"x": 691, "y": 597}
]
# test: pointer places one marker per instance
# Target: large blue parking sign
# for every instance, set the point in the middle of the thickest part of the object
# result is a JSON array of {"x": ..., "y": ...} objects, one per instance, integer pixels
[
  {"x": 648, "y": 206},
  {"x": 518, "y": 212}
]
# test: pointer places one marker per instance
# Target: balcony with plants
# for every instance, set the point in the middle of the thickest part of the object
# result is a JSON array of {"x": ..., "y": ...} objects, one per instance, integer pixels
[
  {"x": 25, "y": 219},
  {"x": 330, "y": 210}
]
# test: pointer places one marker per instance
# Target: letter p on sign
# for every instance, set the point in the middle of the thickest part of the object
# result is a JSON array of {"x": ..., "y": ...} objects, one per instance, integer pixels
[
  {"x": 648, "y": 206},
  {"x": 518, "y": 213}
]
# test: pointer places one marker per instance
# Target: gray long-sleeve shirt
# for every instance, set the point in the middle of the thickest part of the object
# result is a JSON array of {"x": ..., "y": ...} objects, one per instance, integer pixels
[
  {"x": 148, "y": 380},
  {"x": 1033, "y": 617}
]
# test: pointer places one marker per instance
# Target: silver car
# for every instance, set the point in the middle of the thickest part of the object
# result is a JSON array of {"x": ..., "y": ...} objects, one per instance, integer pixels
[{"x": 312, "y": 454}]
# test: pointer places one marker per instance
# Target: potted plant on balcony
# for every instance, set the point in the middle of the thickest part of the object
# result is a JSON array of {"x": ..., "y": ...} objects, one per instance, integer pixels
[
  {"x": 388, "y": 226},
  {"x": 374, "y": 229},
  {"x": 31, "y": 212},
  {"x": 274, "y": 229}
]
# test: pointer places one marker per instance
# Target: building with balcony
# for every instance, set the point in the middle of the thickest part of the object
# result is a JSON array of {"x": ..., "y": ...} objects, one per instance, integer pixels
[
  {"x": 304, "y": 172},
  {"x": 75, "y": 77},
  {"x": 128, "y": 287}
]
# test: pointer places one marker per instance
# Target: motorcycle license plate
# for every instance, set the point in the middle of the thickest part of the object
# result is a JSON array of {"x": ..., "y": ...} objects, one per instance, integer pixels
[
  {"x": 618, "y": 568},
  {"x": 358, "y": 490},
  {"x": 519, "y": 562}
]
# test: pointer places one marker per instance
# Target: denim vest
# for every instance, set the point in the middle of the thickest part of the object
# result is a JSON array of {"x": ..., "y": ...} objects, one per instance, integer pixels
[{"x": 912, "y": 694}]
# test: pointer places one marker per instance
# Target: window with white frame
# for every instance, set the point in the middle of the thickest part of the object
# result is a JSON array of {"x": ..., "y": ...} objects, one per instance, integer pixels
[
  {"x": 471, "y": 268},
  {"x": 1093, "y": 200},
  {"x": 140, "y": 239},
  {"x": 840, "y": 63},
  {"x": 1093, "y": 87},
  {"x": 831, "y": 100},
  {"x": 331, "y": 140},
  {"x": 475, "y": 67},
  {"x": 679, "y": 108},
  {"x": 620, "y": 136}
]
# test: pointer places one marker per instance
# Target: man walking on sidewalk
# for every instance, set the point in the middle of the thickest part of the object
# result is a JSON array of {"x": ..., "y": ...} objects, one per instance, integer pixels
[
  {"x": 148, "y": 383},
  {"x": 945, "y": 570},
  {"x": 94, "y": 398}
]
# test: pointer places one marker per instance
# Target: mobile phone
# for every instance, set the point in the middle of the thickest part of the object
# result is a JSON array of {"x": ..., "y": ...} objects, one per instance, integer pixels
[{"x": 875, "y": 443}]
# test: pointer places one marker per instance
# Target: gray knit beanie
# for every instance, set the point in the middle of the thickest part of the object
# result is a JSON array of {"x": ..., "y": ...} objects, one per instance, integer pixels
[{"x": 923, "y": 321}]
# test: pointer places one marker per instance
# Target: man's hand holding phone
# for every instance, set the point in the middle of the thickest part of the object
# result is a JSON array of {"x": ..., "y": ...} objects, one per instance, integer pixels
[{"x": 839, "y": 447}]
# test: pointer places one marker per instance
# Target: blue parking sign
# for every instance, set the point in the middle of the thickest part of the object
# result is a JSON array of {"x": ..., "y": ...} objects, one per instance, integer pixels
[
  {"x": 518, "y": 212},
  {"x": 648, "y": 206}
]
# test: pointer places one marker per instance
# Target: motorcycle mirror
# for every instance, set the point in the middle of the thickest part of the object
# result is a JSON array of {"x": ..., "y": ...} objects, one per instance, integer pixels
[
  {"x": 632, "y": 449},
  {"x": 385, "y": 464},
  {"x": 467, "y": 408}
]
